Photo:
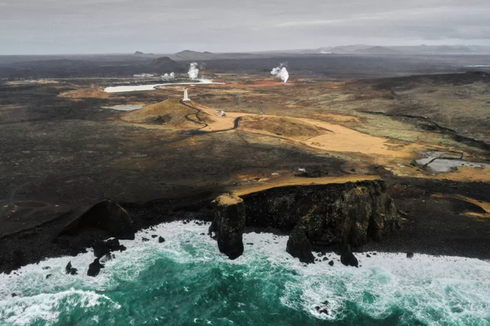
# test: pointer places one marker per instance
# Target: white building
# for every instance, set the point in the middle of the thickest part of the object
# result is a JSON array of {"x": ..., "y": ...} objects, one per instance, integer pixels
[{"x": 186, "y": 96}]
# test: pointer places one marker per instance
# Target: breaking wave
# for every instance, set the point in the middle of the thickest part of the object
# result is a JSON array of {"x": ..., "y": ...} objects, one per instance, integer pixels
[{"x": 186, "y": 281}]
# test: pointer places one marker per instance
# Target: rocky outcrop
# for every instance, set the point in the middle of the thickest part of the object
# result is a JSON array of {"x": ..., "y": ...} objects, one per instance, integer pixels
[
  {"x": 348, "y": 214},
  {"x": 94, "y": 268},
  {"x": 105, "y": 216},
  {"x": 228, "y": 224},
  {"x": 299, "y": 246},
  {"x": 69, "y": 269},
  {"x": 323, "y": 308},
  {"x": 102, "y": 248},
  {"x": 347, "y": 257}
]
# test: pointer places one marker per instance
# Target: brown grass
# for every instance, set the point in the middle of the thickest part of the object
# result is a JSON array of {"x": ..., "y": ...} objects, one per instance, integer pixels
[
  {"x": 296, "y": 181},
  {"x": 483, "y": 205},
  {"x": 282, "y": 126},
  {"x": 227, "y": 200},
  {"x": 86, "y": 92},
  {"x": 205, "y": 117},
  {"x": 169, "y": 112}
]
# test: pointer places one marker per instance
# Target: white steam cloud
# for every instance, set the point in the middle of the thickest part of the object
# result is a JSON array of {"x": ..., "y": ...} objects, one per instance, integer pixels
[
  {"x": 193, "y": 71},
  {"x": 168, "y": 77},
  {"x": 281, "y": 72}
]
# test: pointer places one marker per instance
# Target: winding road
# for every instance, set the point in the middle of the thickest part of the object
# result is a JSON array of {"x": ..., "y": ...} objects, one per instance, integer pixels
[{"x": 204, "y": 125}]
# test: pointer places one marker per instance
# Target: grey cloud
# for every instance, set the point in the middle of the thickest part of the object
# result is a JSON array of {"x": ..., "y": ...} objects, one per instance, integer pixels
[{"x": 163, "y": 26}]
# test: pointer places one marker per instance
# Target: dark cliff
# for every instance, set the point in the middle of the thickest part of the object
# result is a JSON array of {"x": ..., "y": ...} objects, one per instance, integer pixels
[{"x": 322, "y": 215}]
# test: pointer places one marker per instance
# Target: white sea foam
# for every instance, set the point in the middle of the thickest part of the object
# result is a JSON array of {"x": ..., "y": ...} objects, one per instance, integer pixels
[
  {"x": 27, "y": 310},
  {"x": 455, "y": 288},
  {"x": 436, "y": 290}
]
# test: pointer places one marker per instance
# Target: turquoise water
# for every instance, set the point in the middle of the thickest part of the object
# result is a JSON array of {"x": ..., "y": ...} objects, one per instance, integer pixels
[{"x": 186, "y": 281}]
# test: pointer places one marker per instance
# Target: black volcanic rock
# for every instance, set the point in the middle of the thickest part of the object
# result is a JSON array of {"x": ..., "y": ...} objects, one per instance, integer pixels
[
  {"x": 349, "y": 214},
  {"x": 68, "y": 267},
  {"x": 347, "y": 258},
  {"x": 70, "y": 270},
  {"x": 102, "y": 248},
  {"x": 106, "y": 216},
  {"x": 229, "y": 224},
  {"x": 94, "y": 268},
  {"x": 324, "y": 308},
  {"x": 19, "y": 258},
  {"x": 353, "y": 212},
  {"x": 299, "y": 246}
]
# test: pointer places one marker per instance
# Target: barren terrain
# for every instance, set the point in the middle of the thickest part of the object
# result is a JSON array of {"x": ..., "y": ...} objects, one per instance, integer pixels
[{"x": 63, "y": 150}]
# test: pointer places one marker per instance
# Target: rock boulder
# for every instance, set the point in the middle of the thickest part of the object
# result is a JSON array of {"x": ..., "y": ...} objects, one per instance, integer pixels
[{"x": 299, "y": 246}]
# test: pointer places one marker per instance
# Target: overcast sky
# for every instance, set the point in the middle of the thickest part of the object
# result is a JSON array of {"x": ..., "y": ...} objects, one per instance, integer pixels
[{"x": 168, "y": 26}]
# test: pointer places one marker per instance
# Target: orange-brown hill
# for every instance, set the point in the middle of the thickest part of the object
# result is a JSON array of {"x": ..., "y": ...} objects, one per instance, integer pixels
[
  {"x": 169, "y": 112},
  {"x": 85, "y": 92},
  {"x": 282, "y": 126}
]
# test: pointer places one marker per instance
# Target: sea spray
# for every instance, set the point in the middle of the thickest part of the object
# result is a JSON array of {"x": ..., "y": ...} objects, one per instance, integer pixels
[{"x": 186, "y": 281}]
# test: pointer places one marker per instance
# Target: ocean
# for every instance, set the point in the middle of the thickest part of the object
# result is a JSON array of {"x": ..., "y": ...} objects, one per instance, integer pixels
[{"x": 187, "y": 281}]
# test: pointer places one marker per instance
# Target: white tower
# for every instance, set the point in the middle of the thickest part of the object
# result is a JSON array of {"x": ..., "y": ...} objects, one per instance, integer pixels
[{"x": 186, "y": 96}]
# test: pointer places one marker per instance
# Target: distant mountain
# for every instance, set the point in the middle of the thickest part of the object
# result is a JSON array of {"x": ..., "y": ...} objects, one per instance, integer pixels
[
  {"x": 139, "y": 53},
  {"x": 421, "y": 49},
  {"x": 194, "y": 55},
  {"x": 479, "y": 48},
  {"x": 189, "y": 52},
  {"x": 166, "y": 65},
  {"x": 377, "y": 50},
  {"x": 348, "y": 48},
  {"x": 450, "y": 49}
]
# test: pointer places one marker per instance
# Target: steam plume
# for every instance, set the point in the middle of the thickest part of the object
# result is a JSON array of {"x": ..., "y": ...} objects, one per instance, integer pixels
[
  {"x": 193, "y": 71},
  {"x": 168, "y": 77},
  {"x": 281, "y": 72}
]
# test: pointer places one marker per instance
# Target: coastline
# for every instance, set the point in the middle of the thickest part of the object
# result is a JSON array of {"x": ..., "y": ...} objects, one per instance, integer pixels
[
  {"x": 431, "y": 227},
  {"x": 189, "y": 266}
]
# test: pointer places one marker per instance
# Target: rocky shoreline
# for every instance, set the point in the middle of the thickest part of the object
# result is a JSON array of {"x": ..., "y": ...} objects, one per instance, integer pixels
[
  {"x": 330, "y": 216},
  {"x": 338, "y": 217}
]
